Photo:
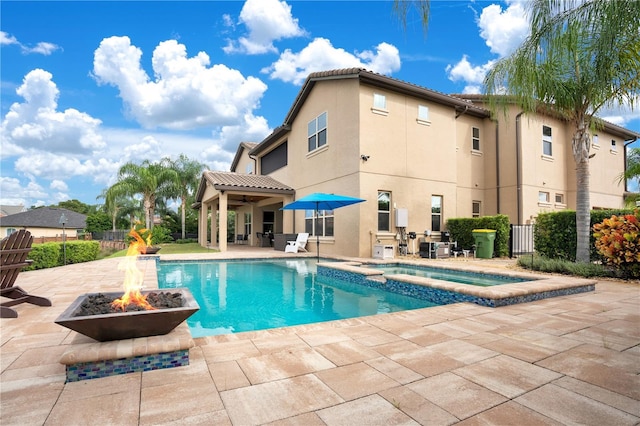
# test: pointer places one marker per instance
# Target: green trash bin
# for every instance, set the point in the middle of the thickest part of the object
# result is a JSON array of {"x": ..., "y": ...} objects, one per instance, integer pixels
[{"x": 484, "y": 239}]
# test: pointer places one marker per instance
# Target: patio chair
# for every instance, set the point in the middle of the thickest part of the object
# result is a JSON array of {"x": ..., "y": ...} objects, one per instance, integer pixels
[
  {"x": 297, "y": 245},
  {"x": 13, "y": 257}
]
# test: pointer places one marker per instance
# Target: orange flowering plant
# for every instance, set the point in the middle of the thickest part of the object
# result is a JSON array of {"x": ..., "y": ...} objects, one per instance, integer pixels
[{"x": 618, "y": 241}]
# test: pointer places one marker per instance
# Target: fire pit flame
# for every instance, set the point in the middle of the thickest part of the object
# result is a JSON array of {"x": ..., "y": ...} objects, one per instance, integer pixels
[{"x": 133, "y": 277}]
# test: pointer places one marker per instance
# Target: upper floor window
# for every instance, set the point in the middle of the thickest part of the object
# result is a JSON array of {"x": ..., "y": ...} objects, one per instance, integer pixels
[
  {"x": 543, "y": 197},
  {"x": 423, "y": 113},
  {"x": 379, "y": 101},
  {"x": 436, "y": 213},
  {"x": 475, "y": 209},
  {"x": 546, "y": 141},
  {"x": 317, "y": 132},
  {"x": 275, "y": 159},
  {"x": 322, "y": 225},
  {"x": 614, "y": 147},
  {"x": 559, "y": 198},
  {"x": 475, "y": 139},
  {"x": 384, "y": 211},
  {"x": 594, "y": 141}
]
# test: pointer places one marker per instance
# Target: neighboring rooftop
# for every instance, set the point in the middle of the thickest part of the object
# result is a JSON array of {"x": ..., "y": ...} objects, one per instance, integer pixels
[{"x": 45, "y": 217}]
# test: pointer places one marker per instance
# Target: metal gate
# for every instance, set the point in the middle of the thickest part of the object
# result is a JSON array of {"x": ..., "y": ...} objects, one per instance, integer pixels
[{"x": 521, "y": 238}]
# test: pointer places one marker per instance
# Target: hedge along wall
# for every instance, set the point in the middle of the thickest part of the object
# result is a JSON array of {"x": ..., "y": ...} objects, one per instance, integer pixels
[
  {"x": 555, "y": 234},
  {"x": 49, "y": 255},
  {"x": 461, "y": 231}
]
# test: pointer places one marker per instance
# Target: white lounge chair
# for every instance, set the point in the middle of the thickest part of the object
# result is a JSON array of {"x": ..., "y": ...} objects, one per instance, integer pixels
[{"x": 297, "y": 245}]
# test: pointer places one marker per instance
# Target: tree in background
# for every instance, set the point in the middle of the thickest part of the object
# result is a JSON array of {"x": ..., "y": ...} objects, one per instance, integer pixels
[
  {"x": 632, "y": 176},
  {"x": 581, "y": 56},
  {"x": 188, "y": 172},
  {"x": 148, "y": 180}
]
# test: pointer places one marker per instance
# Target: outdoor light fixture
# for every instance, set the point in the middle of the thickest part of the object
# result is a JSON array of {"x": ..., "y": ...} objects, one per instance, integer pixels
[
  {"x": 364, "y": 157},
  {"x": 63, "y": 220}
]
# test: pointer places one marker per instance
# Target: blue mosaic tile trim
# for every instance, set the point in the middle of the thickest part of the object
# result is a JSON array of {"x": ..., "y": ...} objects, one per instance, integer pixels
[
  {"x": 112, "y": 367},
  {"x": 441, "y": 296}
]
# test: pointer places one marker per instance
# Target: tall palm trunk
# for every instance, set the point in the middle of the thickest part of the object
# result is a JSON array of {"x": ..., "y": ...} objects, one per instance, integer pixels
[
  {"x": 184, "y": 216},
  {"x": 580, "y": 145}
]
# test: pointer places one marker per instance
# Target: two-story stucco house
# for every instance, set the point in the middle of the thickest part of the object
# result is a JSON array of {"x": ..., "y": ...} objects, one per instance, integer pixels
[{"x": 419, "y": 157}]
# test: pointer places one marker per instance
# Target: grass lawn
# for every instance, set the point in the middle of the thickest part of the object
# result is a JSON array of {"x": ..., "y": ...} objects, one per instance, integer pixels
[{"x": 172, "y": 248}]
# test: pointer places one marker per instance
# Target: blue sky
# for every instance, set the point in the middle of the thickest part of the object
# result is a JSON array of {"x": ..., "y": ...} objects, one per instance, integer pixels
[{"x": 89, "y": 86}]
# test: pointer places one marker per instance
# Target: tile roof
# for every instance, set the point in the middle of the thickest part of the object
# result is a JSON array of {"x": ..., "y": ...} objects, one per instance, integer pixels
[
  {"x": 225, "y": 181},
  {"x": 45, "y": 217}
]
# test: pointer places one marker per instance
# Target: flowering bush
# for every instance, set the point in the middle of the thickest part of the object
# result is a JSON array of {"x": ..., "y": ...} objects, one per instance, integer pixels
[{"x": 618, "y": 241}]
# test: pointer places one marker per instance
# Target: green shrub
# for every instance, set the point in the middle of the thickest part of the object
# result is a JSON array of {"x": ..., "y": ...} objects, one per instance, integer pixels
[
  {"x": 45, "y": 255},
  {"x": 186, "y": 241},
  {"x": 555, "y": 233},
  {"x": 461, "y": 231},
  {"x": 560, "y": 266},
  {"x": 160, "y": 235},
  {"x": 79, "y": 251}
]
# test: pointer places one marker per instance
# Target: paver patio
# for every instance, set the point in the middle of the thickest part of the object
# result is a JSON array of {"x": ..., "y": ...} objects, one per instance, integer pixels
[{"x": 566, "y": 360}]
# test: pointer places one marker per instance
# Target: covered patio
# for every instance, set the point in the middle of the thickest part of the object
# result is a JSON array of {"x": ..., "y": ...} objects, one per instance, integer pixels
[{"x": 256, "y": 201}]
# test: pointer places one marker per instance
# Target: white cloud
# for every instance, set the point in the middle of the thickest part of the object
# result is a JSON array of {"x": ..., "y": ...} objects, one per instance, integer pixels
[
  {"x": 43, "y": 47},
  {"x": 15, "y": 193},
  {"x": 266, "y": 21},
  {"x": 503, "y": 30},
  {"x": 321, "y": 55},
  {"x": 186, "y": 92},
  {"x": 464, "y": 71},
  {"x": 36, "y": 123},
  {"x": 58, "y": 185}
]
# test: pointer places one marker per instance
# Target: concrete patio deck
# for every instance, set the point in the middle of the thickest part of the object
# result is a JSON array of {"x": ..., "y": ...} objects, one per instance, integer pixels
[{"x": 566, "y": 360}]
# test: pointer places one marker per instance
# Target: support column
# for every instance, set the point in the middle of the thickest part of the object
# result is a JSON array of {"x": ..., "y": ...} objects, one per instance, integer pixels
[
  {"x": 214, "y": 226},
  {"x": 222, "y": 244},
  {"x": 202, "y": 224}
]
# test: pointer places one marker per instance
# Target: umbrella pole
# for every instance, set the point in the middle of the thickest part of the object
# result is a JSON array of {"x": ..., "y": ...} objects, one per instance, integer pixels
[{"x": 317, "y": 236}]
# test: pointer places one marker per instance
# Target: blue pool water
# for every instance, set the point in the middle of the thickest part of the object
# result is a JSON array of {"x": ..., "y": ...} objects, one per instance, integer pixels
[
  {"x": 462, "y": 277},
  {"x": 237, "y": 296}
]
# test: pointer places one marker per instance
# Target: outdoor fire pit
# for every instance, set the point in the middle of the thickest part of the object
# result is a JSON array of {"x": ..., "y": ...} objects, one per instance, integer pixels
[{"x": 128, "y": 324}]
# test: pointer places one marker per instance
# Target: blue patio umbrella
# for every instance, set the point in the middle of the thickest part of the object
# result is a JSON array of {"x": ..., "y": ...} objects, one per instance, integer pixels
[{"x": 320, "y": 201}]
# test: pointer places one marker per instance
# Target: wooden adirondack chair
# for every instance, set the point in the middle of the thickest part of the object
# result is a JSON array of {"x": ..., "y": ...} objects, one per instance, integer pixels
[{"x": 13, "y": 257}]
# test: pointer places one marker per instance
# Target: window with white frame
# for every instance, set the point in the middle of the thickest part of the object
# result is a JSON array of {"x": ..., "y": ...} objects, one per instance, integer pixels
[
  {"x": 247, "y": 224},
  {"x": 379, "y": 101},
  {"x": 384, "y": 211},
  {"x": 475, "y": 139},
  {"x": 594, "y": 141},
  {"x": 614, "y": 147},
  {"x": 317, "y": 132},
  {"x": 546, "y": 141},
  {"x": 559, "y": 198},
  {"x": 475, "y": 209},
  {"x": 322, "y": 226},
  {"x": 543, "y": 197},
  {"x": 436, "y": 213},
  {"x": 10, "y": 231},
  {"x": 423, "y": 113}
]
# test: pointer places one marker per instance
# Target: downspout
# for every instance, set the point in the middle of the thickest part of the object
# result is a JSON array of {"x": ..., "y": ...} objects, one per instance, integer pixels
[
  {"x": 627, "y": 143},
  {"x": 497, "y": 167},
  {"x": 518, "y": 169}
]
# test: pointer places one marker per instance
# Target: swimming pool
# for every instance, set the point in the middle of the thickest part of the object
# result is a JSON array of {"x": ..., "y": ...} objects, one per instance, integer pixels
[
  {"x": 237, "y": 296},
  {"x": 462, "y": 277}
]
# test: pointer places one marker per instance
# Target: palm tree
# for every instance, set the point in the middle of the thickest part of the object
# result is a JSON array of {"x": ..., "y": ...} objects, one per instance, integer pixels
[
  {"x": 581, "y": 56},
  {"x": 188, "y": 172},
  {"x": 150, "y": 180}
]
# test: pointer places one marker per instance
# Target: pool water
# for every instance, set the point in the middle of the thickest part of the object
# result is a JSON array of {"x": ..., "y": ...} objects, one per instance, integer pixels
[
  {"x": 462, "y": 277},
  {"x": 237, "y": 296}
]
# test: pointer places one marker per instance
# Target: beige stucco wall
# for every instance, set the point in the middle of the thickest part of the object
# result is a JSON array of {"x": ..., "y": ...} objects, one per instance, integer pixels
[{"x": 41, "y": 232}]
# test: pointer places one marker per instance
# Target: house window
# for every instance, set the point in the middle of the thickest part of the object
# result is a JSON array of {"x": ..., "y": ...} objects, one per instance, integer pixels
[
  {"x": 379, "y": 101},
  {"x": 317, "y": 132},
  {"x": 423, "y": 113},
  {"x": 475, "y": 209},
  {"x": 384, "y": 211},
  {"x": 613, "y": 145},
  {"x": 436, "y": 213},
  {"x": 559, "y": 198},
  {"x": 268, "y": 221},
  {"x": 10, "y": 231},
  {"x": 475, "y": 139},
  {"x": 274, "y": 160},
  {"x": 543, "y": 197},
  {"x": 322, "y": 226},
  {"x": 595, "y": 142},
  {"x": 546, "y": 141}
]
